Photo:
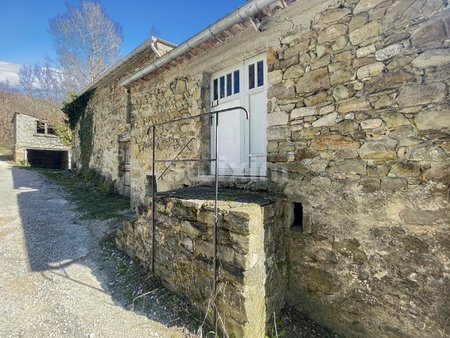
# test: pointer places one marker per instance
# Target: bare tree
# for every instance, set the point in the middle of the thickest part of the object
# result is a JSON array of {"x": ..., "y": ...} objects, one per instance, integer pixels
[
  {"x": 44, "y": 82},
  {"x": 27, "y": 79},
  {"x": 87, "y": 41},
  {"x": 5, "y": 85}
]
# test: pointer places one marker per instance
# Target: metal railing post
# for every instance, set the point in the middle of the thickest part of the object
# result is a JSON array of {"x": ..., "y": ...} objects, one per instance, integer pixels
[
  {"x": 153, "y": 196},
  {"x": 216, "y": 212},
  {"x": 216, "y": 186}
]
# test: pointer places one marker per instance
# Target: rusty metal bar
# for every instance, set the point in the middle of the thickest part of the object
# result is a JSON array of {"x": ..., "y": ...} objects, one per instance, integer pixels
[
  {"x": 247, "y": 116},
  {"x": 187, "y": 160},
  {"x": 216, "y": 212},
  {"x": 216, "y": 184},
  {"x": 176, "y": 157},
  {"x": 153, "y": 197}
]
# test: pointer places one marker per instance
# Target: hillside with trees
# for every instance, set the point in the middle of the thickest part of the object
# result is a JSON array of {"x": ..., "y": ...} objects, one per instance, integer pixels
[{"x": 87, "y": 43}]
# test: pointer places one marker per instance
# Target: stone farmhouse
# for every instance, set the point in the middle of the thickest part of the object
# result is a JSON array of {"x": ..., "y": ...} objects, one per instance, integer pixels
[
  {"x": 35, "y": 142},
  {"x": 333, "y": 189}
]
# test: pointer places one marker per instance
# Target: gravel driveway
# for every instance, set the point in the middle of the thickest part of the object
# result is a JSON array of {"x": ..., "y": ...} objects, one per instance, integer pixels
[{"x": 53, "y": 281}]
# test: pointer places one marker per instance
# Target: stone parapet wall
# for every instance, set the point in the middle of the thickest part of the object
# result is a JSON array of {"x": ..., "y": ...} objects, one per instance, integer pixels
[
  {"x": 359, "y": 133},
  {"x": 251, "y": 253}
]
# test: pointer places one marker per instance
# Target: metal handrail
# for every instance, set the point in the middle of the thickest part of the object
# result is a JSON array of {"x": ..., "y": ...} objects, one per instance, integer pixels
[
  {"x": 176, "y": 157},
  {"x": 216, "y": 179},
  {"x": 247, "y": 116}
]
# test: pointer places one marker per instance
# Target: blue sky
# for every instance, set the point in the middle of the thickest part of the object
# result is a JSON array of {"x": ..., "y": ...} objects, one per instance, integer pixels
[{"x": 26, "y": 39}]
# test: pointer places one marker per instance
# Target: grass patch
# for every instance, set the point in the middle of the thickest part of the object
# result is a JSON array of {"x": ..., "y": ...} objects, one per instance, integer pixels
[
  {"x": 4, "y": 150},
  {"x": 91, "y": 201}
]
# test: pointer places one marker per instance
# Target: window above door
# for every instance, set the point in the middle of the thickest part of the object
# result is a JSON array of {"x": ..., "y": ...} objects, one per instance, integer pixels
[
  {"x": 226, "y": 85},
  {"x": 242, "y": 142},
  {"x": 256, "y": 75}
]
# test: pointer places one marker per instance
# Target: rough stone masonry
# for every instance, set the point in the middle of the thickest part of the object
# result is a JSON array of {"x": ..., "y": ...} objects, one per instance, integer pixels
[
  {"x": 358, "y": 134},
  {"x": 251, "y": 253},
  {"x": 27, "y": 139}
]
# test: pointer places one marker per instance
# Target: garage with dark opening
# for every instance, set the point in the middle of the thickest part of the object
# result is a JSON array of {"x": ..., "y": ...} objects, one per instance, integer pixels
[{"x": 51, "y": 159}]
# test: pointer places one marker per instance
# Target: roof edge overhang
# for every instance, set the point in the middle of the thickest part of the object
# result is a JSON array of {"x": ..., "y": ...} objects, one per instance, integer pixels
[
  {"x": 239, "y": 15},
  {"x": 150, "y": 43}
]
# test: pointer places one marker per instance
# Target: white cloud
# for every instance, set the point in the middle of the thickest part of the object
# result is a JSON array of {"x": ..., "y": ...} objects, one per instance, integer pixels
[{"x": 9, "y": 72}]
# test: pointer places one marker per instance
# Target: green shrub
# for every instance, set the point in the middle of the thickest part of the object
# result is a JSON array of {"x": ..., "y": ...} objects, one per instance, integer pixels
[{"x": 65, "y": 134}]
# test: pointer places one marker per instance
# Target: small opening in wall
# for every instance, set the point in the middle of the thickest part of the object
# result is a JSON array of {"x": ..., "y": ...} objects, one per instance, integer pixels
[
  {"x": 40, "y": 127},
  {"x": 297, "y": 224}
]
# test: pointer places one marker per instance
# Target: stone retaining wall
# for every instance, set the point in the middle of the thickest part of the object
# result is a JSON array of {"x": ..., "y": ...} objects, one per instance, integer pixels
[{"x": 251, "y": 253}]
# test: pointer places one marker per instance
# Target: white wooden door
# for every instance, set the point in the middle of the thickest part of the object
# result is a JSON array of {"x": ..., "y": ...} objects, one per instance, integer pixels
[
  {"x": 242, "y": 142},
  {"x": 255, "y": 100}
]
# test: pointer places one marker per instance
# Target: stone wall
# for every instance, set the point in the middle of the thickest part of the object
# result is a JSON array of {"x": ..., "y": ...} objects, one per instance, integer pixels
[
  {"x": 155, "y": 102},
  {"x": 358, "y": 134},
  {"x": 184, "y": 90},
  {"x": 151, "y": 103},
  {"x": 107, "y": 108},
  {"x": 26, "y": 137},
  {"x": 359, "y": 122},
  {"x": 251, "y": 253}
]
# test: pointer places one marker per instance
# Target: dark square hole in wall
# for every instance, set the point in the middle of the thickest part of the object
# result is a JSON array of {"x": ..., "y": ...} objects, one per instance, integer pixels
[
  {"x": 297, "y": 224},
  {"x": 40, "y": 127},
  {"x": 48, "y": 158}
]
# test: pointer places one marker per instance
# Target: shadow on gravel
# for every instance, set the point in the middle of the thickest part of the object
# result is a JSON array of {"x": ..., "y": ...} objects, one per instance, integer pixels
[
  {"x": 6, "y": 158},
  {"x": 52, "y": 240},
  {"x": 56, "y": 239}
]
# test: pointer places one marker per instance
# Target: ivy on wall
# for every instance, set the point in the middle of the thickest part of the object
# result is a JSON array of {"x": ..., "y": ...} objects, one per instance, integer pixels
[
  {"x": 75, "y": 108},
  {"x": 78, "y": 113},
  {"x": 85, "y": 134}
]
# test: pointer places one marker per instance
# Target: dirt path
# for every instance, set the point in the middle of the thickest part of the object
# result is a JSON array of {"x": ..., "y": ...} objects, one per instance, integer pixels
[{"x": 53, "y": 280}]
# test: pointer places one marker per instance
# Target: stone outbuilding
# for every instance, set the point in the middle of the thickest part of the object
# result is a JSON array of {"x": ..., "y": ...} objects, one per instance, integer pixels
[
  {"x": 334, "y": 188},
  {"x": 35, "y": 142}
]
